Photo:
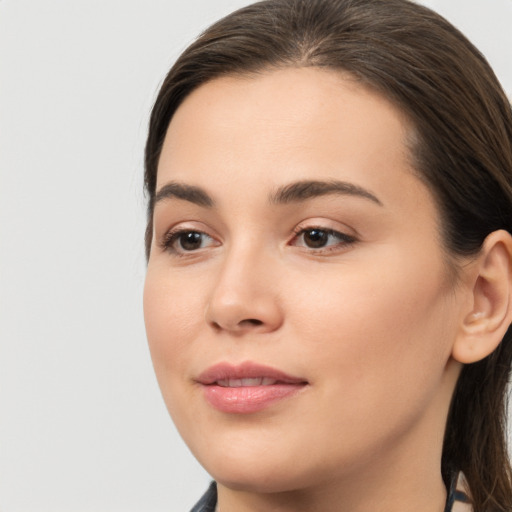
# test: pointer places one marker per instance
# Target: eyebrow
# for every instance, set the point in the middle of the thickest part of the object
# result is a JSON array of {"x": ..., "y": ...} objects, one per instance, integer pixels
[
  {"x": 308, "y": 189},
  {"x": 291, "y": 193},
  {"x": 186, "y": 192}
]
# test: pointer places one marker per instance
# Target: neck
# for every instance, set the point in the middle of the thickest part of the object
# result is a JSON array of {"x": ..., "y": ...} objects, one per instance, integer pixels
[{"x": 388, "y": 492}]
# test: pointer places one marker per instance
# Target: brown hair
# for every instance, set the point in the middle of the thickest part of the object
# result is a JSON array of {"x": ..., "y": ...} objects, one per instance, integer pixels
[{"x": 462, "y": 149}]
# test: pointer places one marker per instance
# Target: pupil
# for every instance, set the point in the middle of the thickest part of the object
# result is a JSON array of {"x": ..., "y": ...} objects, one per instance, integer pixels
[
  {"x": 315, "y": 238},
  {"x": 190, "y": 241}
]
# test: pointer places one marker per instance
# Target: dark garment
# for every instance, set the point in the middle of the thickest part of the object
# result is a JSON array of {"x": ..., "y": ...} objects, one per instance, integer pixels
[
  {"x": 209, "y": 500},
  {"x": 457, "y": 493}
]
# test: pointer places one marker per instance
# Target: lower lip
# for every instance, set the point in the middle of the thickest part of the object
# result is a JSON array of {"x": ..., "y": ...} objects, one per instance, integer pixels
[{"x": 248, "y": 399}]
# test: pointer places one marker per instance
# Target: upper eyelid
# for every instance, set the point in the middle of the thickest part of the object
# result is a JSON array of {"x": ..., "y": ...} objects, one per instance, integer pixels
[
  {"x": 185, "y": 226},
  {"x": 345, "y": 236},
  {"x": 171, "y": 238},
  {"x": 333, "y": 232},
  {"x": 326, "y": 225}
]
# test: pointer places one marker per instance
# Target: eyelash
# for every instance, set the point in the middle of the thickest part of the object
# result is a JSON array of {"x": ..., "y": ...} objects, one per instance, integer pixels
[
  {"x": 172, "y": 237},
  {"x": 344, "y": 240}
]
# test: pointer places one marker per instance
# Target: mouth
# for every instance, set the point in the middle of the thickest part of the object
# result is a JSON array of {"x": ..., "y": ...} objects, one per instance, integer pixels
[
  {"x": 247, "y": 388},
  {"x": 247, "y": 382}
]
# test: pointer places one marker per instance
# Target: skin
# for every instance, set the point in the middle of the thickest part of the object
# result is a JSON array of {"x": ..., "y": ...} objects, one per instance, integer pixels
[{"x": 370, "y": 324}]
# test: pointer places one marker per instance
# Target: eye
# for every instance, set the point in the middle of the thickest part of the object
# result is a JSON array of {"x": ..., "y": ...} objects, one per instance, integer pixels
[
  {"x": 321, "y": 238},
  {"x": 186, "y": 240}
]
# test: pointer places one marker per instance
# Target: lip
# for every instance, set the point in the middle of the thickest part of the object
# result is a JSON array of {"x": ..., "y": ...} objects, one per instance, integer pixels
[{"x": 246, "y": 399}]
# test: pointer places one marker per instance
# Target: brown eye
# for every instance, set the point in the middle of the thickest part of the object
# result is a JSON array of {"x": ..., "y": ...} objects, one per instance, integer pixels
[
  {"x": 318, "y": 238},
  {"x": 315, "y": 238},
  {"x": 186, "y": 240},
  {"x": 190, "y": 240}
]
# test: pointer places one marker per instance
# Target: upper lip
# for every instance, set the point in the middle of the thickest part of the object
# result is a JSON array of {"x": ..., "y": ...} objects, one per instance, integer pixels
[{"x": 246, "y": 370}]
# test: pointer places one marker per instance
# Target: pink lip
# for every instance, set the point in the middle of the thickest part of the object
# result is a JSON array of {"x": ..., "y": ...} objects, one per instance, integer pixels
[{"x": 247, "y": 399}]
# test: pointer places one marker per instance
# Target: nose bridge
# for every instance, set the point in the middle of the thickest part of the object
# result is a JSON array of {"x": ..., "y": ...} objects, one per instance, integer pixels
[{"x": 243, "y": 297}]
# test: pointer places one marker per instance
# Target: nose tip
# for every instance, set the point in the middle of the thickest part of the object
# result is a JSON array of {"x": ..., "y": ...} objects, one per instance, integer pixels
[
  {"x": 244, "y": 294},
  {"x": 240, "y": 310}
]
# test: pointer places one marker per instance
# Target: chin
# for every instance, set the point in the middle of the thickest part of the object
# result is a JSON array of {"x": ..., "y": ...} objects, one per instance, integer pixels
[
  {"x": 259, "y": 471},
  {"x": 265, "y": 480}
]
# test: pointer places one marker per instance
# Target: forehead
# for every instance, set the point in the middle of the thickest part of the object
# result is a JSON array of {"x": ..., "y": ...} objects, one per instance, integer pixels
[{"x": 284, "y": 125}]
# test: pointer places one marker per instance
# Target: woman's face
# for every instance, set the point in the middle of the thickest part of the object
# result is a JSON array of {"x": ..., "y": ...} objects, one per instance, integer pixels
[{"x": 299, "y": 306}]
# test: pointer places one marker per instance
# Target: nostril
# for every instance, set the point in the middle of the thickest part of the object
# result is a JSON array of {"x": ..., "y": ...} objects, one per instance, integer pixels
[
  {"x": 251, "y": 321},
  {"x": 216, "y": 326}
]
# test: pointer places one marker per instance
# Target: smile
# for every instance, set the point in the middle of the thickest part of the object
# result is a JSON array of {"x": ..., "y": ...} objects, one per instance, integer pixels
[
  {"x": 247, "y": 388},
  {"x": 239, "y": 383}
]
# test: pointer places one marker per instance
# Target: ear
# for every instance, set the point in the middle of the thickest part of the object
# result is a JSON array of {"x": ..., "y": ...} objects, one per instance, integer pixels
[{"x": 490, "y": 312}]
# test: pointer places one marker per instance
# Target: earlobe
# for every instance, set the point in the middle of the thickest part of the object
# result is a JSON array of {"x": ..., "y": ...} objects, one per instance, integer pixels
[{"x": 490, "y": 314}]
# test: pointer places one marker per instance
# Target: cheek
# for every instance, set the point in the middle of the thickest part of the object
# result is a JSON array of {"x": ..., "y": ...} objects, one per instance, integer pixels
[
  {"x": 376, "y": 345},
  {"x": 378, "y": 330},
  {"x": 173, "y": 315},
  {"x": 173, "y": 318}
]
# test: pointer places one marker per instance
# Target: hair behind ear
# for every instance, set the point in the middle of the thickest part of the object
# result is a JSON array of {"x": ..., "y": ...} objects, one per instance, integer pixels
[{"x": 476, "y": 437}]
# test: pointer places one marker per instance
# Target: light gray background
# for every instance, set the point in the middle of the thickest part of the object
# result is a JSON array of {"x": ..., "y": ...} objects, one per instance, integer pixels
[{"x": 82, "y": 424}]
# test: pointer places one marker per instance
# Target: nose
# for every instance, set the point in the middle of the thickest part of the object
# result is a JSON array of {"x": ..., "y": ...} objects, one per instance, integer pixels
[{"x": 244, "y": 298}]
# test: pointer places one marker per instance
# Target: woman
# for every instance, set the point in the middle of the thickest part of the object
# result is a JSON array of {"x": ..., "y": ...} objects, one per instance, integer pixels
[{"x": 328, "y": 295}]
